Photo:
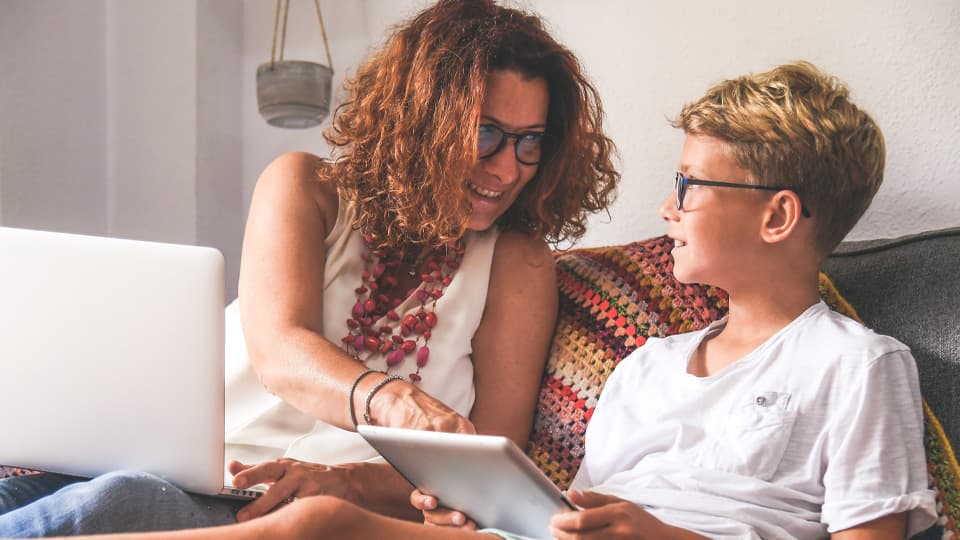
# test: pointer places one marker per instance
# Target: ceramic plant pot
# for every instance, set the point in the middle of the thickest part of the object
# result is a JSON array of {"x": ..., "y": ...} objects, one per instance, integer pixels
[{"x": 294, "y": 93}]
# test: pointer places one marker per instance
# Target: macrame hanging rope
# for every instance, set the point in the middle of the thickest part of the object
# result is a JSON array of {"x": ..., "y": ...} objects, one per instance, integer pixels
[
  {"x": 283, "y": 32},
  {"x": 323, "y": 32}
]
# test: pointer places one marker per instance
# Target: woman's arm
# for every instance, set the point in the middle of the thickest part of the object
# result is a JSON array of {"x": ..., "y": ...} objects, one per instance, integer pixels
[
  {"x": 281, "y": 290},
  {"x": 512, "y": 341}
]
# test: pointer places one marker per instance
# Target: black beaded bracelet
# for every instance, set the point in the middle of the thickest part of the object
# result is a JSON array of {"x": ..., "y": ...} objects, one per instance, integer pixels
[
  {"x": 378, "y": 386},
  {"x": 353, "y": 389}
]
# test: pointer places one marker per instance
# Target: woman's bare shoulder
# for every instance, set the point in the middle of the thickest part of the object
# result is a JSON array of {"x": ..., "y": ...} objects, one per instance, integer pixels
[
  {"x": 298, "y": 174},
  {"x": 525, "y": 253},
  {"x": 300, "y": 167}
]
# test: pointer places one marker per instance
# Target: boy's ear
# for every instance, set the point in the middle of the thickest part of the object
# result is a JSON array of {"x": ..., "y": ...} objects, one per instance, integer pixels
[{"x": 781, "y": 217}]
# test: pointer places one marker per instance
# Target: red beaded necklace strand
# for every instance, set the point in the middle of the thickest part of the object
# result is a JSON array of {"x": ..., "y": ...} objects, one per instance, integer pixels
[{"x": 378, "y": 297}]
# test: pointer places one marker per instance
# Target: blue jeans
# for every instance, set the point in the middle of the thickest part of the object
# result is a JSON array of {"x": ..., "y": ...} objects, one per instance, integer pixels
[{"x": 52, "y": 505}]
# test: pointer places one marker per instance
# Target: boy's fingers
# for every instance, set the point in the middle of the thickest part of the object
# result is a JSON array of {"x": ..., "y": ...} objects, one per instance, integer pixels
[
  {"x": 444, "y": 518},
  {"x": 422, "y": 501},
  {"x": 580, "y": 521}
]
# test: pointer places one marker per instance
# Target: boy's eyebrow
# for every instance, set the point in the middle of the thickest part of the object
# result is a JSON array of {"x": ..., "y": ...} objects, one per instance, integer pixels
[{"x": 510, "y": 126}]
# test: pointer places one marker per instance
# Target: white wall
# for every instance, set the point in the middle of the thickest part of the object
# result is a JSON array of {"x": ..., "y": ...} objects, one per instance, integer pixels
[
  {"x": 901, "y": 60},
  {"x": 52, "y": 115},
  {"x": 121, "y": 118},
  {"x": 151, "y": 57},
  {"x": 649, "y": 58},
  {"x": 138, "y": 117}
]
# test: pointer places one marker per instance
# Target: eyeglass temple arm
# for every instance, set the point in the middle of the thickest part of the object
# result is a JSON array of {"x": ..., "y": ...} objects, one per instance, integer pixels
[{"x": 691, "y": 182}]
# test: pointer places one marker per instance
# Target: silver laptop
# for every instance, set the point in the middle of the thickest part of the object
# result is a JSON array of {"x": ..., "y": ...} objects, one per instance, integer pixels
[{"x": 111, "y": 358}]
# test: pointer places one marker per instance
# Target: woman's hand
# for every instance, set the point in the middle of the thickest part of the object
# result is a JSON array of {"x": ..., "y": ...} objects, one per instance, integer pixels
[
  {"x": 441, "y": 517},
  {"x": 401, "y": 404},
  {"x": 606, "y": 516},
  {"x": 290, "y": 479}
]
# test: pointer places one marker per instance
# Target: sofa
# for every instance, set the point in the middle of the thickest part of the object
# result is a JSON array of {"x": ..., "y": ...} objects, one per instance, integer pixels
[{"x": 612, "y": 299}]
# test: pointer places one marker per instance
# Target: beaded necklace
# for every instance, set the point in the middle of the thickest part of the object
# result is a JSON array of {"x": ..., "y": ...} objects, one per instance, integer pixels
[{"x": 378, "y": 297}]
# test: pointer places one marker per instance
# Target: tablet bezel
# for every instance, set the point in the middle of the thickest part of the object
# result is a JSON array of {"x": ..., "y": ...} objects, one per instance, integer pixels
[{"x": 487, "y": 477}]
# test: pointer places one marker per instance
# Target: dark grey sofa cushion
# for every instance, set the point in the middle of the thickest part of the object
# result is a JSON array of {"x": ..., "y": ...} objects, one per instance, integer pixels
[{"x": 908, "y": 288}]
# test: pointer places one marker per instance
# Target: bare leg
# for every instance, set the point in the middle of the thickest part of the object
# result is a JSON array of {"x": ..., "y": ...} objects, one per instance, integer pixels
[
  {"x": 330, "y": 517},
  {"x": 312, "y": 517}
]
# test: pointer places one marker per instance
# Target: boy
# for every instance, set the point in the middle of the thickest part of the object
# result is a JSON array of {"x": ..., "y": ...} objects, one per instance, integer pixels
[{"x": 785, "y": 419}]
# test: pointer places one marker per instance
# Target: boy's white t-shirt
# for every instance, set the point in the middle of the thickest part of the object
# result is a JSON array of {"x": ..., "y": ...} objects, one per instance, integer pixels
[{"x": 817, "y": 430}]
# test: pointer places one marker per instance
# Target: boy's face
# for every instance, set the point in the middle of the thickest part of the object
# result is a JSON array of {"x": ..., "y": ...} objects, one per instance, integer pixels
[{"x": 718, "y": 229}]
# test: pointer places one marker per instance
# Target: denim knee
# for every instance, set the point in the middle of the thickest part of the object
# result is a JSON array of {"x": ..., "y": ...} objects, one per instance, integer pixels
[
  {"x": 123, "y": 501},
  {"x": 132, "y": 488},
  {"x": 133, "y": 500}
]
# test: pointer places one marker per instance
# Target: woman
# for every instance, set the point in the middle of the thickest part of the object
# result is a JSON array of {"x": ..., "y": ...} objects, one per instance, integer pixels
[{"x": 406, "y": 282}]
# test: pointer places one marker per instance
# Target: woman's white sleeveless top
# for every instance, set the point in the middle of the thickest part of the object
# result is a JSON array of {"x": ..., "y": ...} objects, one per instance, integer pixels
[{"x": 260, "y": 426}]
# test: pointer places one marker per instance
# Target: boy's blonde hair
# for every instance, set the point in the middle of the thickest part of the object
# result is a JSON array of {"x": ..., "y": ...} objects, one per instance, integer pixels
[{"x": 795, "y": 126}]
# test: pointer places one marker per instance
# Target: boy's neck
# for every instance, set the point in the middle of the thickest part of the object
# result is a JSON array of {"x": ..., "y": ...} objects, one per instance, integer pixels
[{"x": 756, "y": 313}]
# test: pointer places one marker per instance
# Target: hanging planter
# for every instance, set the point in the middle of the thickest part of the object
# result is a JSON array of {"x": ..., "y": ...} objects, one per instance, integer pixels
[{"x": 294, "y": 93}]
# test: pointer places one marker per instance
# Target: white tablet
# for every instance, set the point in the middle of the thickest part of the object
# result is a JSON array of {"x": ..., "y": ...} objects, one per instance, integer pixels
[{"x": 486, "y": 477}]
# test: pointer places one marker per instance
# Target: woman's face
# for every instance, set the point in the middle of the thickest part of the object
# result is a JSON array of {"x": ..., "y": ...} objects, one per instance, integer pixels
[{"x": 515, "y": 104}]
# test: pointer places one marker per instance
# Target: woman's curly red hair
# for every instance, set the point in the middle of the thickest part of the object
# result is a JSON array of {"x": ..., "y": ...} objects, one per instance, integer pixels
[{"x": 405, "y": 139}]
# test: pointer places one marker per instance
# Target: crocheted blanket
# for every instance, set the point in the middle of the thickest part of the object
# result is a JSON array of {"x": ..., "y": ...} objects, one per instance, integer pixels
[{"x": 612, "y": 300}]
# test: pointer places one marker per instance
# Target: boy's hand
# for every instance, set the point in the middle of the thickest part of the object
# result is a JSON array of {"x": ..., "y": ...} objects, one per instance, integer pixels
[
  {"x": 606, "y": 516},
  {"x": 441, "y": 517}
]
